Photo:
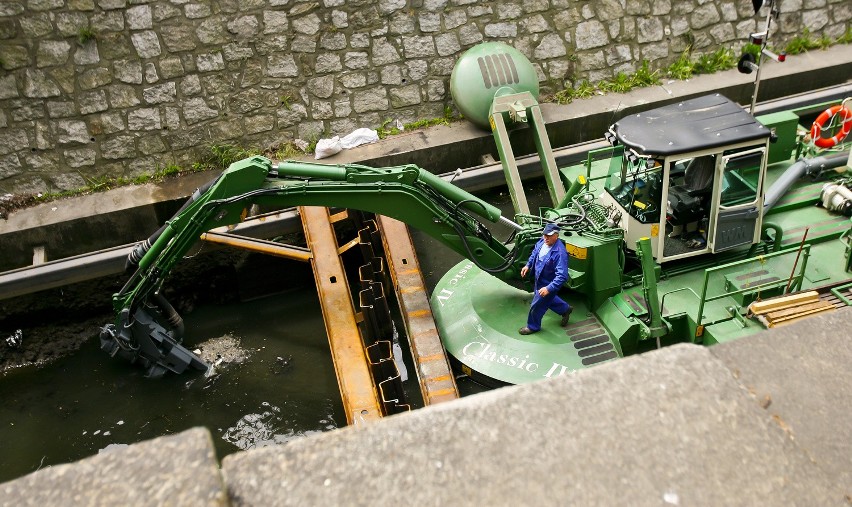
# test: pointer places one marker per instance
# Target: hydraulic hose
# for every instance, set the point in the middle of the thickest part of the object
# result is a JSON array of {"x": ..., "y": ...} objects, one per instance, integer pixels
[
  {"x": 507, "y": 261},
  {"x": 461, "y": 197},
  {"x": 173, "y": 318},
  {"x": 142, "y": 248}
]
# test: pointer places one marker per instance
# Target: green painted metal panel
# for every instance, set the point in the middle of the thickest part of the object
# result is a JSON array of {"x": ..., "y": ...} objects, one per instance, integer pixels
[
  {"x": 482, "y": 72},
  {"x": 784, "y": 124},
  {"x": 478, "y": 317}
]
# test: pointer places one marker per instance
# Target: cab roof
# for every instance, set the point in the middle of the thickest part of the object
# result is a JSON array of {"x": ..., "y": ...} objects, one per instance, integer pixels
[{"x": 690, "y": 125}]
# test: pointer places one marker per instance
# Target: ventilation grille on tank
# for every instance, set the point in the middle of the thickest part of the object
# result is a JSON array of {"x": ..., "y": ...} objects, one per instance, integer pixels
[{"x": 497, "y": 70}]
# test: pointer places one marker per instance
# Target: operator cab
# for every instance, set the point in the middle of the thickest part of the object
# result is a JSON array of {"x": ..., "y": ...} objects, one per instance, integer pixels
[{"x": 689, "y": 176}]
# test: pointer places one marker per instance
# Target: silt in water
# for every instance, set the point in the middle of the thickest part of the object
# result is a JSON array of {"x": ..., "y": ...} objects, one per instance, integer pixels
[{"x": 284, "y": 388}]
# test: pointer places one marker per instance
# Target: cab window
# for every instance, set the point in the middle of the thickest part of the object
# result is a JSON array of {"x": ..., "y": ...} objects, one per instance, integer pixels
[
  {"x": 638, "y": 188},
  {"x": 741, "y": 178}
]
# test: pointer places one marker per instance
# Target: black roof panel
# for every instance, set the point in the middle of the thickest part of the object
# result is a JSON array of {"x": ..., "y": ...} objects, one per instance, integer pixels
[{"x": 690, "y": 125}]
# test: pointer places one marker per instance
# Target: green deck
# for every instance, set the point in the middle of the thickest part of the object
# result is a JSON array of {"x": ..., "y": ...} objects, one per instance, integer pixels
[{"x": 486, "y": 339}]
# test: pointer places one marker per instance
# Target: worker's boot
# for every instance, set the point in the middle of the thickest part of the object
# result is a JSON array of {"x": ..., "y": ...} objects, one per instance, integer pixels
[{"x": 565, "y": 317}]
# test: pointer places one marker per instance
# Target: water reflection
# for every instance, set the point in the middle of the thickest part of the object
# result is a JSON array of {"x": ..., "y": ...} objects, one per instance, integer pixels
[{"x": 285, "y": 388}]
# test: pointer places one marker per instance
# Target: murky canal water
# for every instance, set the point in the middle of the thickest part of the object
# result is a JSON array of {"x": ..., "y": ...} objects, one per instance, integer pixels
[{"x": 285, "y": 389}]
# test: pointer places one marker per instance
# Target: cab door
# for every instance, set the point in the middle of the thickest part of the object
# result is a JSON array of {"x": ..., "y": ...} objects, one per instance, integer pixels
[{"x": 737, "y": 209}]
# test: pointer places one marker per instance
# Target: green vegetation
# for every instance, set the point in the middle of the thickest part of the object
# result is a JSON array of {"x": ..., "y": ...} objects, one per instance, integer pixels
[
  {"x": 719, "y": 60},
  {"x": 220, "y": 156},
  {"x": 686, "y": 66},
  {"x": 104, "y": 183},
  {"x": 567, "y": 95},
  {"x": 312, "y": 145},
  {"x": 223, "y": 155},
  {"x": 85, "y": 35},
  {"x": 389, "y": 128},
  {"x": 804, "y": 42},
  {"x": 620, "y": 83},
  {"x": 754, "y": 49},
  {"x": 286, "y": 151},
  {"x": 683, "y": 68}
]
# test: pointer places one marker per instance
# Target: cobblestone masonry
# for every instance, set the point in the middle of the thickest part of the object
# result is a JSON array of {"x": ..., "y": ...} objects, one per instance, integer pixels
[{"x": 121, "y": 87}]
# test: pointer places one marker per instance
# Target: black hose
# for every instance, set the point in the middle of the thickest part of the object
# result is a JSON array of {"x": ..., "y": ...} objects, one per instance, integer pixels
[
  {"x": 173, "y": 318},
  {"x": 142, "y": 248},
  {"x": 507, "y": 261},
  {"x": 480, "y": 227}
]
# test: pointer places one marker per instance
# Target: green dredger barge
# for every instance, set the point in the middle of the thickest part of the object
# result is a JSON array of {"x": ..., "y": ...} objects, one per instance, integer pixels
[
  {"x": 770, "y": 220},
  {"x": 753, "y": 225},
  {"x": 696, "y": 211}
]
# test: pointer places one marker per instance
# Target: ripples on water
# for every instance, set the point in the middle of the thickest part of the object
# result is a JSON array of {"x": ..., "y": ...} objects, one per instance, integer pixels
[
  {"x": 272, "y": 425},
  {"x": 285, "y": 388}
]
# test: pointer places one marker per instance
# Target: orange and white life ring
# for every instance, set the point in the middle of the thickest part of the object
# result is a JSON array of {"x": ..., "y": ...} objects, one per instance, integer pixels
[{"x": 824, "y": 119}]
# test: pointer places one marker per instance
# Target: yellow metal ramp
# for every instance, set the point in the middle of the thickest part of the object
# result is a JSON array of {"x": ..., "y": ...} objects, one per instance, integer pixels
[
  {"x": 347, "y": 349},
  {"x": 437, "y": 382}
]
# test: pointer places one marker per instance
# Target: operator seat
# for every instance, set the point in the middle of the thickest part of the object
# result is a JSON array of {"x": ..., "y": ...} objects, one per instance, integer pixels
[{"x": 687, "y": 201}]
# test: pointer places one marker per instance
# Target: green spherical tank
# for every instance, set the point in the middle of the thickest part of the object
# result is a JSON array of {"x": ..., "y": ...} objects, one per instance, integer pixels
[{"x": 486, "y": 71}]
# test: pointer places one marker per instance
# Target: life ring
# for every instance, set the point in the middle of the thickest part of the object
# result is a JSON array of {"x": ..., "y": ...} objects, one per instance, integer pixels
[{"x": 824, "y": 119}]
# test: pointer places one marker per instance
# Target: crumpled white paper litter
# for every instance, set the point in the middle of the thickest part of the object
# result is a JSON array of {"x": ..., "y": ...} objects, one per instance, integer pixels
[{"x": 329, "y": 147}]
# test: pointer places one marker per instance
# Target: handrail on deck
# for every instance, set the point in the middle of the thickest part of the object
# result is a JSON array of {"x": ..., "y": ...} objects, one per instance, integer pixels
[
  {"x": 592, "y": 156},
  {"x": 707, "y": 272},
  {"x": 663, "y": 299},
  {"x": 838, "y": 292}
]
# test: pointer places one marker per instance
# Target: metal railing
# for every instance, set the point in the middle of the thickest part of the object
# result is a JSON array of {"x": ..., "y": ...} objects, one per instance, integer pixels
[{"x": 796, "y": 285}]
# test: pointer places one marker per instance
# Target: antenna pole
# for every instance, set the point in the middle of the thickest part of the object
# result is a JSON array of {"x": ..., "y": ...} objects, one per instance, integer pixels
[{"x": 760, "y": 56}]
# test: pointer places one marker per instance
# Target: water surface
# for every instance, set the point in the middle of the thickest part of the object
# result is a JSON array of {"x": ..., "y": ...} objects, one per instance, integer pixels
[{"x": 76, "y": 406}]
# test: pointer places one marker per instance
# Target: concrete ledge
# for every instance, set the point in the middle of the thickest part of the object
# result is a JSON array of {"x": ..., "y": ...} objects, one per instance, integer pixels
[
  {"x": 801, "y": 73},
  {"x": 668, "y": 427},
  {"x": 444, "y": 148},
  {"x": 800, "y": 373},
  {"x": 76, "y": 225},
  {"x": 174, "y": 470},
  {"x": 79, "y": 225}
]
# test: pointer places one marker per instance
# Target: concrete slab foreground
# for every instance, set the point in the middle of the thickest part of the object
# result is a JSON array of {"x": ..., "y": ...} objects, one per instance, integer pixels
[
  {"x": 178, "y": 469},
  {"x": 800, "y": 373},
  {"x": 668, "y": 427}
]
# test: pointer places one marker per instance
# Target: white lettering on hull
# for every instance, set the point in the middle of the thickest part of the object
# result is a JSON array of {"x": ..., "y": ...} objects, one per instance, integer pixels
[
  {"x": 562, "y": 370},
  {"x": 445, "y": 294},
  {"x": 484, "y": 352}
]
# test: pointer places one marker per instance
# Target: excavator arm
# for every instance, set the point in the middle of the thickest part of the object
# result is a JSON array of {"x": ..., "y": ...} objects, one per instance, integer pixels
[{"x": 149, "y": 331}]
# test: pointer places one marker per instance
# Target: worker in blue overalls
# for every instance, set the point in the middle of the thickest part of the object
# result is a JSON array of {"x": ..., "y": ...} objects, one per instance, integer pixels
[{"x": 549, "y": 262}]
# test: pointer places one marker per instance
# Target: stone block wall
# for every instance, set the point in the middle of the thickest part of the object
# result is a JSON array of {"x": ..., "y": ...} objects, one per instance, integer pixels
[{"x": 93, "y": 88}]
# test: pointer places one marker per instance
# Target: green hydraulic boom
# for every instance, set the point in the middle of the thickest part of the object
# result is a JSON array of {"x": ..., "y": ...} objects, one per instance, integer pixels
[{"x": 148, "y": 330}]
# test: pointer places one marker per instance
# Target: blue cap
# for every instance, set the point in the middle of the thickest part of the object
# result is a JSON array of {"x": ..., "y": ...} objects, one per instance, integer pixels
[{"x": 551, "y": 229}]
